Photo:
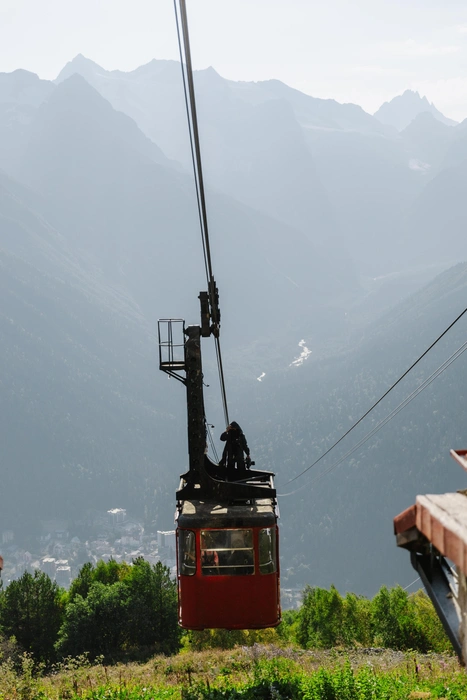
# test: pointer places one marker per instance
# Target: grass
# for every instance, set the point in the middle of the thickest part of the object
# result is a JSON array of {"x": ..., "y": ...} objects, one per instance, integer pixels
[{"x": 246, "y": 674}]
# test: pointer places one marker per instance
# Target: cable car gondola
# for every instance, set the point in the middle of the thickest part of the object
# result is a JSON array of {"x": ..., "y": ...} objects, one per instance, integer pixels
[
  {"x": 228, "y": 572},
  {"x": 227, "y": 534}
]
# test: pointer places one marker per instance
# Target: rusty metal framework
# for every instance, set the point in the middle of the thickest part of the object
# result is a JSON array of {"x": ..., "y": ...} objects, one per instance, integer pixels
[
  {"x": 180, "y": 357},
  {"x": 172, "y": 347}
]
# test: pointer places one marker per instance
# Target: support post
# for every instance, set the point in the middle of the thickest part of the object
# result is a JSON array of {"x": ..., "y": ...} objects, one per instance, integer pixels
[
  {"x": 438, "y": 581},
  {"x": 195, "y": 403}
]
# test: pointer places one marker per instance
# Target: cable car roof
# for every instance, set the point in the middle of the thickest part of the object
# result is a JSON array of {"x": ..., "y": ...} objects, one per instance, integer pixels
[{"x": 200, "y": 514}]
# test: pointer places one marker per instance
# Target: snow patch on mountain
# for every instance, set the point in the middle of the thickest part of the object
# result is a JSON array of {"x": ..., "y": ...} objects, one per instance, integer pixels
[{"x": 303, "y": 355}]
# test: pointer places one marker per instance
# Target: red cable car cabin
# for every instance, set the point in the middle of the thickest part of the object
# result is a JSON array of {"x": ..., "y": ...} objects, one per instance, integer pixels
[
  {"x": 228, "y": 565},
  {"x": 227, "y": 536}
]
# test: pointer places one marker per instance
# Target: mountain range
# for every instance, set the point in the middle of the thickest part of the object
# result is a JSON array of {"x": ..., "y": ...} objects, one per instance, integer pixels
[
  {"x": 328, "y": 225},
  {"x": 403, "y": 109},
  {"x": 329, "y": 169}
]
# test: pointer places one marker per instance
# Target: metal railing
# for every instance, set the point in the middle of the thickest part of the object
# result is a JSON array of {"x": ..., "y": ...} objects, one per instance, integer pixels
[{"x": 172, "y": 346}]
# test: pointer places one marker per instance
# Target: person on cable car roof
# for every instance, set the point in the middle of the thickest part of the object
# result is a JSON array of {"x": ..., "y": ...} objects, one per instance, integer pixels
[{"x": 236, "y": 445}]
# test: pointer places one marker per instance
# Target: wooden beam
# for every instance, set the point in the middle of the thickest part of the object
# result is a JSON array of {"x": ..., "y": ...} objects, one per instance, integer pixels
[{"x": 442, "y": 518}]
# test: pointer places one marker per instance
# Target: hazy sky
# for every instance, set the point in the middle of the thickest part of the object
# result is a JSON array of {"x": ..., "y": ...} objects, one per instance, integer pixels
[{"x": 363, "y": 51}]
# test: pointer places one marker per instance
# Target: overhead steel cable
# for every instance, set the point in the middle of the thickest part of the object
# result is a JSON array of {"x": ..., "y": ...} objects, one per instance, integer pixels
[
  {"x": 221, "y": 379},
  {"x": 388, "y": 418},
  {"x": 378, "y": 401},
  {"x": 411, "y": 584},
  {"x": 195, "y": 133},
  {"x": 190, "y": 104},
  {"x": 193, "y": 160},
  {"x": 211, "y": 441}
]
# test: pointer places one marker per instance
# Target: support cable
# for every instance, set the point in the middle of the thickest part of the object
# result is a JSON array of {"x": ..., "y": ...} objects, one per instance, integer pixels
[
  {"x": 411, "y": 584},
  {"x": 190, "y": 105},
  {"x": 190, "y": 132},
  {"x": 221, "y": 375},
  {"x": 378, "y": 401},
  {"x": 195, "y": 133},
  {"x": 388, "y": 418},
  {"x": 211, "y": 442}
]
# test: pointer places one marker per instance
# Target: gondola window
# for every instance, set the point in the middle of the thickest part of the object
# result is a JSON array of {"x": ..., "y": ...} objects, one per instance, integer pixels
[
  {"x": 187, "y": 552},
  {"x": 227, "y": 553},
  {"x": 267, "y": 550}
]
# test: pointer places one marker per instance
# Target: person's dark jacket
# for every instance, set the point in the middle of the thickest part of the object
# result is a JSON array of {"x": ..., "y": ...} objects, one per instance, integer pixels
[{"x": 236, "y": 446}]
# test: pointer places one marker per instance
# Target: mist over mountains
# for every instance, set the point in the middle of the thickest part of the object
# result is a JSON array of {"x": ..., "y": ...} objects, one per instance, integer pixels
[{"x": 327, "y": 224}]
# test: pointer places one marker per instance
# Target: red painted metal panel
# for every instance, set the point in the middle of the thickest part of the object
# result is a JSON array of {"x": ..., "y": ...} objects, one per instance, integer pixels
[{"x": 229, "y": 602}]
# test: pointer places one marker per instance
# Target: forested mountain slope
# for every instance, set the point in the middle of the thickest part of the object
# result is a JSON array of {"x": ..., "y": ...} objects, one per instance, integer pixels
[
  {"x": 80, "y": 427},
  {"x": 339, "y": 527},
  {"x": 440, "y": 211}
]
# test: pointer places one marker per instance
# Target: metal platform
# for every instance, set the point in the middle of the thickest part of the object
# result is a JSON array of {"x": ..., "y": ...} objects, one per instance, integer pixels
[{"x": 434, "y": 529}]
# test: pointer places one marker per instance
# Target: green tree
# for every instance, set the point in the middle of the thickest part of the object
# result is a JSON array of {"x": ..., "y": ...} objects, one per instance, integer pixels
[
  {"x": 356, "y": 620},
  {"x": 393, "y": 619},
  {"x": 152, "y": 616},
  {"x": 104, "y": 572},
  {"x": 95, "y": 624},
  {"x": 116, "y": 608},
  {"x": 395, "y": 622},
  {"x": 31, "y": 610},
  {"x": 109, "y": 572},
  {"x": 82, "y": 583},
  {"x": 320, "y": 618},
  {"x": 287, "y": 630}
]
